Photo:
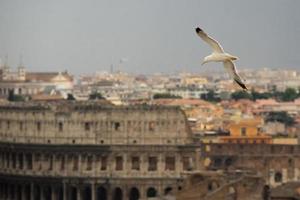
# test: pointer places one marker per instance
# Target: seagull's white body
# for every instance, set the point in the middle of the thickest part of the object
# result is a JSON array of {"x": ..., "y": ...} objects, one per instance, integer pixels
[{"x": 219, "y": 55}]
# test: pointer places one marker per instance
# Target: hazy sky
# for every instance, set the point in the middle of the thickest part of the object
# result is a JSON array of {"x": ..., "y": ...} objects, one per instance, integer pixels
[{"x": 148, "y": 35}]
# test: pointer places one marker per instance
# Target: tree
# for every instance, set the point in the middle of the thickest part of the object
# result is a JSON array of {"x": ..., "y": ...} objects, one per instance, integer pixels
[
  {"x": 165, "y": 96},
  {"x": 70, "y": 97},
  {"x": 281, "y": 116},
  {"x": 257, "y": 95},
  {"x": 241, "y": 95},
  {"x": 96, "y": 96},
  {"x": 290, "y": 94}
]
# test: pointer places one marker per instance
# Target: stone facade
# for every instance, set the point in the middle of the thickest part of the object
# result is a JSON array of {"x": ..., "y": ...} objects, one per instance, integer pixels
[
  {"x": 68, "y": 151},
  {"x": 277, "y": 164}
]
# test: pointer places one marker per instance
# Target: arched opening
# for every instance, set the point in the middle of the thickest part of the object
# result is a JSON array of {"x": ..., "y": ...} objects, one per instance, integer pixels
[
  {"x": 118, "y": 194},
  {"x": 19, "y": 192},
  {"x": 101, "y": 193},
  {"x": 73, "y": 193},
  {"x": 278, "y": 177},
  {"x": 151, "y": 192},
  {"x": 134, "y": 194},
  {"x": 36, "y": 192},
  {"x": 228, "y": 162},
  {"x": 47, "y": 193},
  {"x": 87, "y": 193},
  {"x": 266, "y": 193},
  {"x": 217, "y": 162},
  {"x": 12, "y": 191},
  {"x": 27, "y": 192},
  {"x": 168, "y": 190},
  {"x": 59, "y": 193}
]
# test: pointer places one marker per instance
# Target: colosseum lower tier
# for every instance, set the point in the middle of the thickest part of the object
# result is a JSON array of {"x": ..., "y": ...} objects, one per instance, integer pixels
[{"x": 89, "y": 151}]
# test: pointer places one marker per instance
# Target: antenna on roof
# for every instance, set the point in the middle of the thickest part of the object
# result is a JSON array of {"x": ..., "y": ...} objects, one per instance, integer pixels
[
  {"x": 21, "y": 60},
  {"x": 5, "y": 60}
]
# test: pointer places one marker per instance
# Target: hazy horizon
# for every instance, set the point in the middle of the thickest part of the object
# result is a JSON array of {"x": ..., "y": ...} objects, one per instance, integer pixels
[{"x": 140, "y": 36}]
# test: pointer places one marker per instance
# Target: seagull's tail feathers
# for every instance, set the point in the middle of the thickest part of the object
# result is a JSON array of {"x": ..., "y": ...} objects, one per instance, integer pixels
[{"x": 241, "y": 84}]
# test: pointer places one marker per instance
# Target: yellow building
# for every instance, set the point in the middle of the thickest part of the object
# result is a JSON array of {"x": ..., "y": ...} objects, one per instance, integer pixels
[{"x": 246, "y": 131}]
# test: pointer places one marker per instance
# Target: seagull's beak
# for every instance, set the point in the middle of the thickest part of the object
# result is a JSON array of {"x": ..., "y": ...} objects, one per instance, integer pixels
[{"x": 203, "y": 63}]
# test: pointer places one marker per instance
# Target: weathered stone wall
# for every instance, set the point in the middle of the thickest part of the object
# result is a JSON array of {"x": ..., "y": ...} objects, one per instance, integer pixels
[
  {"x": 276, "y": 163},
  {"x": 93, "y": 124},
  {"x": 90, "y": 151}
]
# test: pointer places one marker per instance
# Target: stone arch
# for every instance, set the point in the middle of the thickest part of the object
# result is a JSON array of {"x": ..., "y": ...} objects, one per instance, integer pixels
[
  {"x": 266, "y": 192},
  {"x": 72, "y": 193},
  {"x": 228, "y": 162},
  {"x": 278, "y": 177},
  {"x": 168, "y": 190},
  {"x": 118, "y": 194},
  {"x": 27, "y": 192},
  {"x": 36, "y": 192},
  {"x": 151, "y": 192},
  {"x": 101, "y": 193},
  {"x": 217, "y": 162},
  {"x": 134, "y": 194},
  {"x": 47, "y": 193},
  {"x": 59, "y": 193},
  {"x": 87, "y": 193}
]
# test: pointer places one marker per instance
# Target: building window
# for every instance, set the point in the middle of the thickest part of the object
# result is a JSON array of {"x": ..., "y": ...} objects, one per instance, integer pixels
[
  {"x": 60, "y": 126},
  {"x": 38, "y": 126},
  {"x": 8, "y": 124},
  {"x": 117, "y": 126},
  {"x": 103, "y": 163},
  {"x": 75, "y": 162},
  {"x": 186, "y": 163},
  {"x": 21, "y": 161},
  {"x": 151, "y": 126},
  {"x": 29, "y": 161},
  {"x": 170, "y": 163},
  {"x": 62, "y": 162},
  {"x": 89, "y": 163},
  {"x": 21, "y": 126},
  {"x": 243, "y": 131},
  {"x": 119, "y": 163},
  {"x": 87, "y": 126},
  {"x": 152, "y": 163},
  {"x": 278, "y": 177},
  {"x": 135, "y": 163},
  {"x": 7, "y": 160},
  {"x": 14, "y": 160}
]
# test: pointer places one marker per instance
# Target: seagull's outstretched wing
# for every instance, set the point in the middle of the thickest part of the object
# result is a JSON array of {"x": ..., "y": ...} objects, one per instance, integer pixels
[
  {"x": 229, "y": 65},
  {"x": 210, "y": 41}
]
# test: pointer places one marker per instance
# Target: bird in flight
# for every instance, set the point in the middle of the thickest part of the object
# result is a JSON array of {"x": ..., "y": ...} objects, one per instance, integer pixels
[{"x": 218, "y": 55}]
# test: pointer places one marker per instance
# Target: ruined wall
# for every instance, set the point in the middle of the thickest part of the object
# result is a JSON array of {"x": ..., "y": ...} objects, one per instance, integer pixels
[
  {"x": 276, "y": 163},
  {"x": 93, "y": 124},
  {"x": 88, "y": 151}
]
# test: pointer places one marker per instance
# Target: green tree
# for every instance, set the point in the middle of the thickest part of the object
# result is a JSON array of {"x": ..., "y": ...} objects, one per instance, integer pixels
[
  {"x": 257, "y": 95},
  {"x": 281, "y": 116},
  {"x": 290, "y": 94},
  {"x": 165, "y": 96},
  {"x": 95, "y": 96},
  {"x": 241, "y": 95}
]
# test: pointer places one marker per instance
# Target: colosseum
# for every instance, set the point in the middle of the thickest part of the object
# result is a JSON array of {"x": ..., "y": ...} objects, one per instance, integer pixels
[{"x": 92, "y": 151}]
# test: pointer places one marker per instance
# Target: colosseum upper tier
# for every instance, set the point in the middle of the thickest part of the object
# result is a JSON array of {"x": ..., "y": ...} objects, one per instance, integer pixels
[{"x": 92, "y": 151}]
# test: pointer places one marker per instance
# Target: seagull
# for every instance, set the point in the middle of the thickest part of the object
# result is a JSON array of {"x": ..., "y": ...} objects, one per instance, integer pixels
[{"x": 218, "y": 55}]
